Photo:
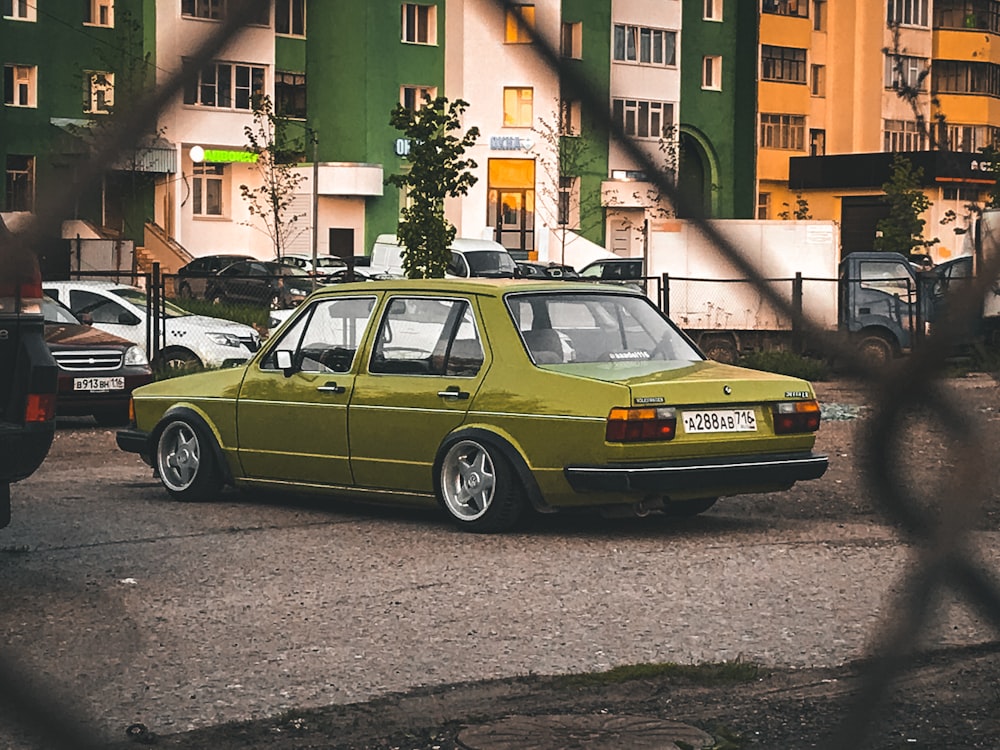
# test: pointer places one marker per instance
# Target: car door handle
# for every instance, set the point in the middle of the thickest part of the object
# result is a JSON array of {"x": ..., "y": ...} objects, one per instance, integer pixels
[
  {"x": 331, "y": 387},
  {"x": 453, "y": 391}
]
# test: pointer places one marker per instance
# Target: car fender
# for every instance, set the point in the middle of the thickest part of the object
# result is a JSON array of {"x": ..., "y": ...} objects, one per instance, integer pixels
[
  {"x": 506, "y": 445},
  {"x": 196, "y": 417}
]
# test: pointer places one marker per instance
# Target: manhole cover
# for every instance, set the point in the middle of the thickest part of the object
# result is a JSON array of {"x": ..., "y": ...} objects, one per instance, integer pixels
[{"x": 583, "y": 732}]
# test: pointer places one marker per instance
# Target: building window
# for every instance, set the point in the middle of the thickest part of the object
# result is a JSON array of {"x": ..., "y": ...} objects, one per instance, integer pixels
[
  {"x": 783, "y": 131},
  {"x": 569, "y": 202},
  {"x": 419, "y": 24},
  {"x": 971, "y": 138},
  {"x": 225, "y": 86},
  {"x": 785, "y": 64},
  {"x": 638, "y": 118},
  {"x": 905, "y": 71},
  {"x": 572, "y": 40},
  {"x": 645, "y": 46},
  {"x": 101, "y": 13},
  {"x": 99, "y": 92},
  {"x": 290, "y": 17},
  {"x": 968, "y": 195},
  {"x": 903, "y": 135},
  {"x": 20, "y": 183},
  {"x": 763, "y": 205},
  {"x": 415, "y": 97},
  {"x": 20, "y": 10},
  {"x": 519, "y": 21},
  {"x": 214, "y": 9},
  {"x": 206, "y": 189},
  {"x": 799, "y": 8},
  {"x": 518, "y": 107},
  {"x": 712, "y": 10},
  {"x": 819, "y": 15},
  {"x": 19, "y": 85},
  {"x": 290, "y": 95},
  {"x": 960, "y": 77},
  {"x": 967, "y": 14},
  {"x": 817, "y": 142},
  {"x": 817, "y": 80},
  {"x": 907, "y": 13},
  {"x": 570, "y": 117},
  {"x": 711, "y": 72}
]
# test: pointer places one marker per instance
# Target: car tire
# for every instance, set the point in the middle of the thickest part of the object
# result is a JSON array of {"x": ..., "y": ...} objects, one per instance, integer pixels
[
  {"x": 688, "y": 508},
  {"x": 477, "y": 486},
  {"x": 876, "y": 350},
  {"x": 178, "y": 360},
  {"x": 186, "y": 461}
]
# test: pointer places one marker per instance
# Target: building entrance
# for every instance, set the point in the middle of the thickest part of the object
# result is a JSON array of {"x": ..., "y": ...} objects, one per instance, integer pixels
[{"x": 511, "y": 209}]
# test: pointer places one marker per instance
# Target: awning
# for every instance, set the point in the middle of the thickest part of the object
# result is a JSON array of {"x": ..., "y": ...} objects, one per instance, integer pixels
[{"x": 153, "y": 154}]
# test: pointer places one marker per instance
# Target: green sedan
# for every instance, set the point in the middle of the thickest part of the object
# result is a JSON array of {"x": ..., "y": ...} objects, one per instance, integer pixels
[{"x": 491, "y": 396}]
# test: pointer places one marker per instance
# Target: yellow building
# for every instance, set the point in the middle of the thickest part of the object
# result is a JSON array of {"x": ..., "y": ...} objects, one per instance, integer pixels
[{"x": 843, "y": 86}]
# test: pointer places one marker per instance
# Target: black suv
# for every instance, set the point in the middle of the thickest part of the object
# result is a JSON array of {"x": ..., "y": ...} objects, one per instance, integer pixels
[
  {"x": 28, "y": 374},
  {"x": 192, "y": 278}
]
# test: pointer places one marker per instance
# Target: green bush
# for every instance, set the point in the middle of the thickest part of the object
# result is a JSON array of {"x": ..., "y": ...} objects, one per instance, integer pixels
[{"x": 788, "y": 363}]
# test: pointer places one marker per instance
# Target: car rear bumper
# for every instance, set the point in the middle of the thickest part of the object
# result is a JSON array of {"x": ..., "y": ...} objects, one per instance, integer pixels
[{"x": 721, "y": 476}]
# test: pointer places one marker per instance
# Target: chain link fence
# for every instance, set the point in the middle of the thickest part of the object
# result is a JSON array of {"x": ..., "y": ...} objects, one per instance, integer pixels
[{"x": 945, "y": 560}]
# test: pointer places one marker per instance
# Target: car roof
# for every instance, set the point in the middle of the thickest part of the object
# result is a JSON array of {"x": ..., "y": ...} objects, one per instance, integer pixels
[
  {"x": 94, "y": 284},
  {"x": 490, "y": 287}
]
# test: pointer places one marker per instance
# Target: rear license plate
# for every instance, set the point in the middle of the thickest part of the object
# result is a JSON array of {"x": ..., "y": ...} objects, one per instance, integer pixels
[
  {"x": 98, "y": 385},
  {"x": 721, "y": 420}
]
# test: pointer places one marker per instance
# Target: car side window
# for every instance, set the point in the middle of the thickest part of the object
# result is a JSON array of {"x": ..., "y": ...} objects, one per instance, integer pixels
[
  {"x": 100, "y": 309},
  {"x": 457, "y": 265},
  {"x": 326, "y": 337},
  {"x": 592, "y": 272},
  {"x": 427, "y": 336}
]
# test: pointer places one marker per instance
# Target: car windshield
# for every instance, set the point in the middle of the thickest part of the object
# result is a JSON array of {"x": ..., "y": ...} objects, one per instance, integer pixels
[
  {"x": 138, "y": 298},
  {"x": 490, "y": 263},
  {"x": 56, "y": 312},
  {"x": 583, "y": 328}
]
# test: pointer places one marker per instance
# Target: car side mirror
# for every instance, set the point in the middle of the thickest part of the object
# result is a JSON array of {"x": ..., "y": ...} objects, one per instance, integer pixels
[{"x": 283, "y": 358}]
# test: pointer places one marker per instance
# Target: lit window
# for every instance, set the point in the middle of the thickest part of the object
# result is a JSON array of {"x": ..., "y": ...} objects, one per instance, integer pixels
[
  {"x": 101, "y": 13},
  {"x": 99, "y": 92},
  {"x": 519, "y": 20},
  {"x": 711, "y": 73},
  {"x": 518, "y": 107},
  {"x": 290, "y": 17},
  {"x": 19, "y": 85},
  {"x": 20, "y": 10},
  {"x": 415, "y": 97},
  {"x": 419, "y": 24},
  {"x": 206, "y": 189}
]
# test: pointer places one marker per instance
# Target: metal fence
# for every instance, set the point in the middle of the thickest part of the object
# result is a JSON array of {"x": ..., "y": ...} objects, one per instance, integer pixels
[{"x": 943, "y": 563}]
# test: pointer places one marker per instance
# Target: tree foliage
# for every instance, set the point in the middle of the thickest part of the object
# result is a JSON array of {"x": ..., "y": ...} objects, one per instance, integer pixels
[
  {"x": 271, "y": 200},
  {"x": 902, "y": 231},
  {"x": 436, "y": 171}
]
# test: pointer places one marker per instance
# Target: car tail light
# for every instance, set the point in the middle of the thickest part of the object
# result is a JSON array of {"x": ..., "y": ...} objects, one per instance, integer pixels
[
  {"x": 24, "y": 296},
  {"x": 796, "y": 416},
  {"x": 641, "y": 425},
  {"x": 40, "y": 407}
]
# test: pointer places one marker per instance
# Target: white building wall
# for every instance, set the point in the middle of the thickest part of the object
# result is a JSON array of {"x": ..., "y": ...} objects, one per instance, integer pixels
[{"x": 478, "y": 65}]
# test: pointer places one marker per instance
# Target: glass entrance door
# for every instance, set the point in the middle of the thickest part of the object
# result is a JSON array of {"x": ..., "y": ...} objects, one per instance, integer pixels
[{"x": 511, "y": 209}]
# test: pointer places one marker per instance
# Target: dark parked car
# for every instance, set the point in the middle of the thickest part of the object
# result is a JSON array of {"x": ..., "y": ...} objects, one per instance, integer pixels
[
  {"x": 260, "y": 282},
  {"x": 530, "y": 270},
  {"x": 97, "y": 370},
  {"x": 191, "y": 279}
]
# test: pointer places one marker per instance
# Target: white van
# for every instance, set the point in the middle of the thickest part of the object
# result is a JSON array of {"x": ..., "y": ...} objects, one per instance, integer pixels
[{"x": 469, "y": 257}]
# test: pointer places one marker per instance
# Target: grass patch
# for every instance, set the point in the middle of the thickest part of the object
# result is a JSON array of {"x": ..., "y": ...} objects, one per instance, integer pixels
[
  {"x": 788, "y": 363},
  {"x": 976, "y": 358},
  {"x": 718, "y": 673},
  {"x": 251, "y": 315}
]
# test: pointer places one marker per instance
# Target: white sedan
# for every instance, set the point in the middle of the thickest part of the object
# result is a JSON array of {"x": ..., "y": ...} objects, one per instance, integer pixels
[{"x": 188, "y": 340}]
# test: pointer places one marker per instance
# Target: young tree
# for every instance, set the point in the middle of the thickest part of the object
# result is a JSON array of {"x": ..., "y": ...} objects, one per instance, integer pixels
[
  {"x": 903, "y": 230},
  {"x": 271, "y": 200},
  {"x": 437, "y": 170},
  {"x": 801, "y": 211}
]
